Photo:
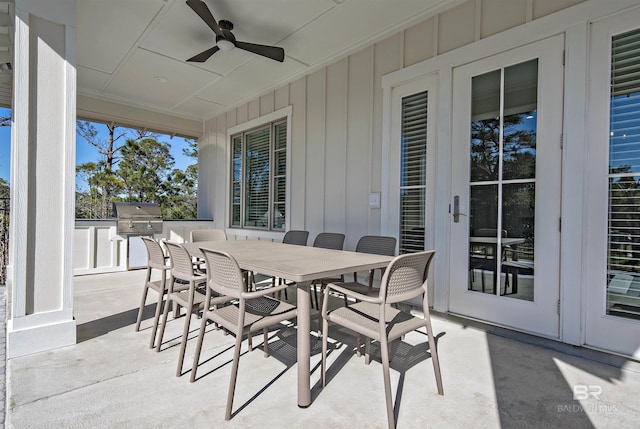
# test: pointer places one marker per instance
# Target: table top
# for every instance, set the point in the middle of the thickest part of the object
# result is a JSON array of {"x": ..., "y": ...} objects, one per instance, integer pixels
[{"x": 292, "y": 262}]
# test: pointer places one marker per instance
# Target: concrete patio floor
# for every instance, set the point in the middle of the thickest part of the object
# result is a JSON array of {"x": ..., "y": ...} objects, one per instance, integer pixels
[{"x": 492, "y": 377}]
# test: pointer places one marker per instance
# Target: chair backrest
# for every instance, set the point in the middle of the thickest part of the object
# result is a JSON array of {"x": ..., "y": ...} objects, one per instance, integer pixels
[
  {"x": 223, "y": 274},
  {"x": 181, "y": 263},
  {"x": 154, "y": 253},
  {"x": 296, "y": 237},
  {"x": 207, "y": 235},
  {"x": 329, "y": 240},
  {"x": 406, "y": 276},
  {"x": 377, "y": 244}
]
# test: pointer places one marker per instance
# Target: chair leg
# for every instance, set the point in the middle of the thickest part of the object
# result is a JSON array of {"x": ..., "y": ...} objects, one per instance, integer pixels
[
  {"x": 434, "y": 354},
  {"x": 141, "y": 309},
  {"x": 315, "y": 293},
  {"x": 196, "y": 356},
  {"x": 325, "y": 334},
  {"x": 185, "y": 331},
  {"x": 183, "y": 344},
  {"x": 266, "y": 342},
  {"x": 156, "y": 319},
  {"x": 165, "y": 315},
  {"x": 358, "y": 345},
  {"x": 234, "y": 372},
  {"x": 384, "y": 355},
  {"x": 367, "y": 351}
]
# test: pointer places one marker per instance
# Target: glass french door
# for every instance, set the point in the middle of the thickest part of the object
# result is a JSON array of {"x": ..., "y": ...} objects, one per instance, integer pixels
[
  {"x": 613, "y": 250},
  {"x": 506, "y": 175}
]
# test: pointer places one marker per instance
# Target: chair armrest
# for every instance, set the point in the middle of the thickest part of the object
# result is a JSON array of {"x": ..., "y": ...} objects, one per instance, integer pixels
[
  {"x": 262, "y": 292},
  {"x": 349, "y": 292}
]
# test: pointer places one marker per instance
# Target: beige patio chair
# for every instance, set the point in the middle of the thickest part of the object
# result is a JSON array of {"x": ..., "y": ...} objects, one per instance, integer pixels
[
  {"x": 156, "y": 260},
  {"x": 374, "y": 317},
  {"x": 191, "y": 298},
  {"x": 254, "y": 311},
  {"x": 297, "y": 238},
  {"x": 378, "y": 245},
  {"x": 327, "y": 240},
  {"x": 207, "y": 235}
]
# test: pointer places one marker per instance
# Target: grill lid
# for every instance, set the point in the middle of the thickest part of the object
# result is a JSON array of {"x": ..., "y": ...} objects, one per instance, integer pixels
[
  {"x": 138, "y": 218},
  {"x": 125, "y": 210}
]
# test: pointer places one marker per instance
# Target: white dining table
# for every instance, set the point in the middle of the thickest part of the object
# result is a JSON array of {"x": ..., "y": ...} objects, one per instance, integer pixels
[{"x": 302, "y": 265}]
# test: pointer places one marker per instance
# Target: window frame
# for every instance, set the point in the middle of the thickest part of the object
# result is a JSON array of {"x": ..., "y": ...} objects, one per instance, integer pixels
[
  {"x": 281, "y": 116},
  {"x": 391, "y": 162}
]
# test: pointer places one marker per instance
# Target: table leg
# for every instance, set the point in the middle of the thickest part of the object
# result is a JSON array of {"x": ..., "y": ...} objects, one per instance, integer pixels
[{"x": 304, "y": 345}]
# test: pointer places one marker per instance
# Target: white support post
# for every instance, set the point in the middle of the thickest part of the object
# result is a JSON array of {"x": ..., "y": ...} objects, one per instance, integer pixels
[{"x": 42, "y": 178}]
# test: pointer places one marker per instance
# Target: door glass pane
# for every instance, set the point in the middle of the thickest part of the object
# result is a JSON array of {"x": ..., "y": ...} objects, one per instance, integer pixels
[
  {"x": 623, "y": 261},
  {"x": 520, "y": 104},
  {"x": 413, "y": 172},
  {"x": 485, "y": 126},
  {"x": 502, "y": 181},
  {"x": 518, "y": 228}
]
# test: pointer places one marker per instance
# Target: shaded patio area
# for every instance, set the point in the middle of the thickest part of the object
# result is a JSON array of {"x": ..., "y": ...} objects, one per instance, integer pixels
[{"x": 492, "y": 377}]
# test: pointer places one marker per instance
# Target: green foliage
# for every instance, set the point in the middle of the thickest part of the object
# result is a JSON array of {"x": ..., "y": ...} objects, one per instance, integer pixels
[
  {"x": 144, "y": 169},
  {"x": 4, "y": 188},
  {"x": 138, "y": 170}
]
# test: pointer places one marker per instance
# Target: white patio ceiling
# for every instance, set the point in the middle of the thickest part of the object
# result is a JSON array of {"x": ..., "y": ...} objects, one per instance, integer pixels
[{"x": 134, "y": 52}]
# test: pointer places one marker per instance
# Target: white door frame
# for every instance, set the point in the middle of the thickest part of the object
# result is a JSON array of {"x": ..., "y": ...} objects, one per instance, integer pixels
[
  {"x": 602, "y": 331},
  {"x": 539, "y": 316}
]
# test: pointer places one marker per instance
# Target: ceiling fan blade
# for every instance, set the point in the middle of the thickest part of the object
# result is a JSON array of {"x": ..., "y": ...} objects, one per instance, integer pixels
[
  {"x": 203, "y": 12},
  {"x": 204, "y": 55},
  {"x": 272, "y": 52}
]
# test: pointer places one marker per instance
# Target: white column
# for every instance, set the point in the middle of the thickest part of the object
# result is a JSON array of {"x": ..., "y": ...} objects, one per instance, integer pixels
[{"x": 42, "y": 177}]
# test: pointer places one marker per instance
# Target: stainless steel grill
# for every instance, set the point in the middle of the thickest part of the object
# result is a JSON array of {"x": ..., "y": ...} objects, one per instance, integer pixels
[{"x": 138, "y": 218}]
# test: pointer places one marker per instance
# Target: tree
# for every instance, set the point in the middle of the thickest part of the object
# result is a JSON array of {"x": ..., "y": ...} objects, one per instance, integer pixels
[
  {"x": 181, "y": 187},
  {"x": 4, "y": 188},
  {"x": 89, "y": 203},
  {"x": 144, "y": 170},
  {"x": 110, "y": 151}
]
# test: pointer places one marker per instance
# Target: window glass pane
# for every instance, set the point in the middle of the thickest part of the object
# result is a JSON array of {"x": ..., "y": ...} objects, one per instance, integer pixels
[
  {"x": 237, "y": 147},
  {"x": 623, "y": 264},
  {"x": 257, "y": 179},
  {"x": 519, "y": 140},
  {"x": 413, "y": 172},
  {"x": 412, "y": 220},
  {"x": 280, "y": 138},
  {"x": 414, "y": 138},
  {"x": 235, "y": 215},
  {"x": 485, "y": 126},
  {"x": 279, "y": 217},
  {"x": 623, "y": 261},
  {"x": 280, "y": 160}
]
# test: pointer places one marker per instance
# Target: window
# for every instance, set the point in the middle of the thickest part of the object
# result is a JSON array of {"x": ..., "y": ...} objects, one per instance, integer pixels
[
  {"x": 258, "y": 177},
  {"x": 623, "y": 261},
  {"x": 413, "y": 165}
]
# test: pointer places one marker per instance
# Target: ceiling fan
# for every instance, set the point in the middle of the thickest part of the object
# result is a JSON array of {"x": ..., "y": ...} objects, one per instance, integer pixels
[{"x": 225, "y": 40}]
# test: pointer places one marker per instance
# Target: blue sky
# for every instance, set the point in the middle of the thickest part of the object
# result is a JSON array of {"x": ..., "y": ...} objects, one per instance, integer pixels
[{"x": 84, "y": 151}]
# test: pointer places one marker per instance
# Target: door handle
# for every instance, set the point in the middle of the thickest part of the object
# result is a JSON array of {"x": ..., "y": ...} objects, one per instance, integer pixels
[{"x": 456, "y": 209}]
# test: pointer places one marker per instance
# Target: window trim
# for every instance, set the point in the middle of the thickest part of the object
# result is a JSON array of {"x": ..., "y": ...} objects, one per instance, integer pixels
[
  {"x": 269, "y": 119},
  {"x": 390, "y": 216}
]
